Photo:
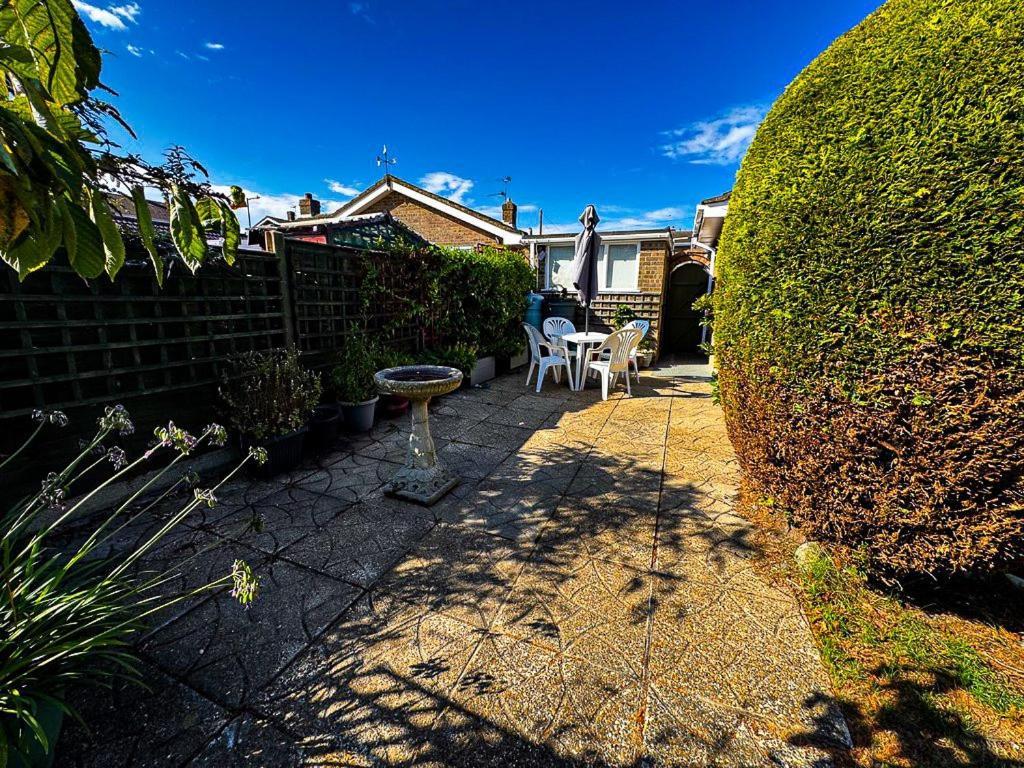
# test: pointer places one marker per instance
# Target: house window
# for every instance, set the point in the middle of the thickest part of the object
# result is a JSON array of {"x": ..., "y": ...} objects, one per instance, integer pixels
[
  {"x": 618, "y": 267},
  {"x": 559, "y": 267}
]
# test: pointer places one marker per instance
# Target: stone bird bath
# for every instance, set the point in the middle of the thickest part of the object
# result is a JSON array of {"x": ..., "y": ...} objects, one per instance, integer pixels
[{"x": 423, "y": 479}]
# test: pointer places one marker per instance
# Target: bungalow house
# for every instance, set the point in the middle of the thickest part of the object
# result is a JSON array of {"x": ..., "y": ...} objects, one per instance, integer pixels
[
  {"x": 431, "y": 217},
  {"x": 658, "y": 273}
]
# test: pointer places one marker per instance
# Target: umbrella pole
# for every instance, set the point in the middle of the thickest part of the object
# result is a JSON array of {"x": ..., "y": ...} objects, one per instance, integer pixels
[{"x": 586, "y": 317}]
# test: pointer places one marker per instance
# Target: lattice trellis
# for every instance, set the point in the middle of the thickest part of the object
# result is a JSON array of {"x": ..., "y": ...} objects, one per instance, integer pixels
[{"x": 74, "y": 345}]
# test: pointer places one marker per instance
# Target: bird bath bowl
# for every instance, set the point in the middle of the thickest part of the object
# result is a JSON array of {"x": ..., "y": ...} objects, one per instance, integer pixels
[{"x": 423, "y": 479}]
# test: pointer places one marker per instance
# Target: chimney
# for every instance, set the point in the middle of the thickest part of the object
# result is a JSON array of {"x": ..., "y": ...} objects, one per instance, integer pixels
[
  {"x": 309, "y": 206},
  {"x": 508, "y": 212},
  {"x": 290, "y": 215}
]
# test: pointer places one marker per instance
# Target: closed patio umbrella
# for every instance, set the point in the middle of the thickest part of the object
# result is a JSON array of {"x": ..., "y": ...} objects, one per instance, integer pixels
[{"x": 584, "y": 263}]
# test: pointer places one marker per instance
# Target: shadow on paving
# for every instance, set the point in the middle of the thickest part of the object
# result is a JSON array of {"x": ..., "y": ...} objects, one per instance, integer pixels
[{"x": 584, "y": 597}]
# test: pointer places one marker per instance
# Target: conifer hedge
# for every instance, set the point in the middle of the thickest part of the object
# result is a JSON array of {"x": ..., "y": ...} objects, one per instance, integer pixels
[{"x": 869, "y": 312}]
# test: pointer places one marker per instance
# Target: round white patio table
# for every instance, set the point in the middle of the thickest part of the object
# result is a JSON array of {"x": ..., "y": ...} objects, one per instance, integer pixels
[{"x": 583, "y": 342}]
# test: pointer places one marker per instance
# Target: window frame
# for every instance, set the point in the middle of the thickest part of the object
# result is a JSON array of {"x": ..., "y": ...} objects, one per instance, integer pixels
[
  {"x": 604, "y": 267},
  {"x": 603, "y": 278}
]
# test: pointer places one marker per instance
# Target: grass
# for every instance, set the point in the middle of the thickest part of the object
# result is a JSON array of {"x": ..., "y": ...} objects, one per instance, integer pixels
[
  {"x": 933, "y": 679},
  {"x": 916, "y": 694}
]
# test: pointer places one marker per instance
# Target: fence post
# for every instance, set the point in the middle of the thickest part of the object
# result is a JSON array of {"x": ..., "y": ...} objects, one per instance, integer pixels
[{"x": 279, "y": 246}]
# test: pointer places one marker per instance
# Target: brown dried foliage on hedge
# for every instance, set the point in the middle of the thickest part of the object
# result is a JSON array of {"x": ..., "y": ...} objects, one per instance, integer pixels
[
  {"x": 869, "y": 310},
  {"x": 918, "y": 478}
]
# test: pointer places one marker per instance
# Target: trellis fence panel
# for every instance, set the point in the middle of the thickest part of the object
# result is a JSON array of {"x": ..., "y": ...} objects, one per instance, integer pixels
[{"x": 79, "y": 346}]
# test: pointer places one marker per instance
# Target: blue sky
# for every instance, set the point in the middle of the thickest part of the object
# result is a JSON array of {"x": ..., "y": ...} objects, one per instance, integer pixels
[{"x": 640, "y": 108}]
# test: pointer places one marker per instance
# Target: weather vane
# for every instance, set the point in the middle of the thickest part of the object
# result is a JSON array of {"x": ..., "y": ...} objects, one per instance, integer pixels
[{"x": 387, "y": 162}]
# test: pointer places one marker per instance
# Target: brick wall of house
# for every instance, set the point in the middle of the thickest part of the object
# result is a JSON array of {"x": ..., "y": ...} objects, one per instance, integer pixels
[
  {"x": 648, "y": 302},
  {"x": 429, "y": 224},
  {"x": 653, "y": 265}
]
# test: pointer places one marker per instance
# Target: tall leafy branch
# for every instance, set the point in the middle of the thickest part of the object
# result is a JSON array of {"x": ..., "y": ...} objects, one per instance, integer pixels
[{"x": 59, "y": 166}]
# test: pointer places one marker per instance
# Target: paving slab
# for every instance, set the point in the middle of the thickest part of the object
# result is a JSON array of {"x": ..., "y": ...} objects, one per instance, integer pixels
[
  {"x": 228, "y": 651},
  {"x": 587, "y": 595}
]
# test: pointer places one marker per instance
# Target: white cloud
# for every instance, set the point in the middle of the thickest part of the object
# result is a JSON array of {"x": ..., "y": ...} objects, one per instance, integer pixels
[
  {"x": 128, "y": 11},
  {"x": 448, "y": 185},
  {"x": 673, "y": 216},
  {"x": 272, "y": 204},
  {"x": 215, "y": 46},
  {"x": 348, "y": 190},
  {"x": 111, "y": 17},
  {"x": 722, "y": 141},
  {"x": 134, "y": 50}
]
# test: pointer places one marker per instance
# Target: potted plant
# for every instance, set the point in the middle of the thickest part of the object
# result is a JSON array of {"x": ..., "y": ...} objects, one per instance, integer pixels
[
  {"x": 461, "y": 356},
  {"x": 352, "y": 383},
  {"x": 269, "y": 397},
  {"x": 323, "y": 427}
]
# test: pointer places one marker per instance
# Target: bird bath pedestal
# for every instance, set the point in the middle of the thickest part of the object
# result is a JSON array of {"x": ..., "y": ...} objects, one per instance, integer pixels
[{"x": 423, "y": 479}]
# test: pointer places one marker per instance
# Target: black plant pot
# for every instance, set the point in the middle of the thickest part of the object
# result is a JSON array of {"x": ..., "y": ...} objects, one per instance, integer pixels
[
  {"x": 358, "y": 417},
  {"x": 284, "y": 453},
  {"x": 323, "y": 428}
]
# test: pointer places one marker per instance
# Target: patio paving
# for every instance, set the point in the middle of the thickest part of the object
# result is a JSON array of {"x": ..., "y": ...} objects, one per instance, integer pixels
[{"x": 586, "y": 596}]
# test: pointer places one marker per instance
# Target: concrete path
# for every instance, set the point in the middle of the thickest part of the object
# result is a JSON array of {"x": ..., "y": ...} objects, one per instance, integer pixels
[{"x": 585, "y": 597}]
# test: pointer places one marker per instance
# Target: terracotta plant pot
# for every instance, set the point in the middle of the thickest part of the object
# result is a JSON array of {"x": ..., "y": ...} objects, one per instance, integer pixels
[
  {"x": 284, "y": 453},
  {"x": 323, "y": 427},
  {"x": 359, "y": 416}
]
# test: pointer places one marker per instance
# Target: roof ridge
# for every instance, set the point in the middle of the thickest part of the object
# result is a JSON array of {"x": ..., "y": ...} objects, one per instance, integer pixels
[{"x": 444, "y": 200}]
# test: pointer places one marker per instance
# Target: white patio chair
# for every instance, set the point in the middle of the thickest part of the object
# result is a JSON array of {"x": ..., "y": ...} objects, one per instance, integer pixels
[
  {"x": 555, "y": 328},
  {"x": 643, "y": 326},
  {"x": 555, "y": 360},
  {"x": 612, "y": 358}
]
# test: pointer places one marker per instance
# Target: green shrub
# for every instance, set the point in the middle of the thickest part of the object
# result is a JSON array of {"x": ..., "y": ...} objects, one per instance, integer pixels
[
  {"x": 461, "y": 356},
  {"x": 474, "y": 298},
  {"x": 269, "y": 394},
  {"x": 869, "y": 311},
  {"x": 478, "y": 299},
  {"x": 351, "y": 379}
]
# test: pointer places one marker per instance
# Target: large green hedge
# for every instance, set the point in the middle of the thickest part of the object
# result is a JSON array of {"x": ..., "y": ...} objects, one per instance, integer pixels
[{"x": 870, "y": 302}]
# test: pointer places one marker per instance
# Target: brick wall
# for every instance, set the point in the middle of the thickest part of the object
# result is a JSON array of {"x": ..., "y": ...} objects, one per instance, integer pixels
[
  {"x": 429, "y": 224},
  {"x": 653, "y": 265}
]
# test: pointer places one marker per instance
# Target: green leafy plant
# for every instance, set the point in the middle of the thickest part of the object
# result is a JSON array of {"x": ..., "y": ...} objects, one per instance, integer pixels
[
  {"x": 352, "y": 376},
  {"x": 58, "y": 165},
  {"x": 387, "y": 357},
  {"x": 461, "y": 356},
  {"x": 456, "y": 296},
  {"x": 69, "y": 612},
  {"x": 626, "y": 314},
  {"x": 623, "y": 314},
  {"x": 870, "y": 291},
  {"x": 269, "y": 394}
]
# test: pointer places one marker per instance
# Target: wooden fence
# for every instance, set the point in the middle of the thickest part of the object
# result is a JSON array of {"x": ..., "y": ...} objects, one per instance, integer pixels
[{"x": 79, "y": 346}]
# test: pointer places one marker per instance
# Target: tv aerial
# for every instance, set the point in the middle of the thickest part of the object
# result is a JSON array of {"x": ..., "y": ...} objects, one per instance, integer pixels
[{"x": 505, "y": 180}]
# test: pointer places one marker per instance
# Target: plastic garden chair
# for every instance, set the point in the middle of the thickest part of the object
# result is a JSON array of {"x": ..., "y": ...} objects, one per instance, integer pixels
[
  {"x": 557, "y": 327},
  {"x": 643, "y": 326},
  {"x": 554, "y": 360},
  {"x": 612, "y": 358}
]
